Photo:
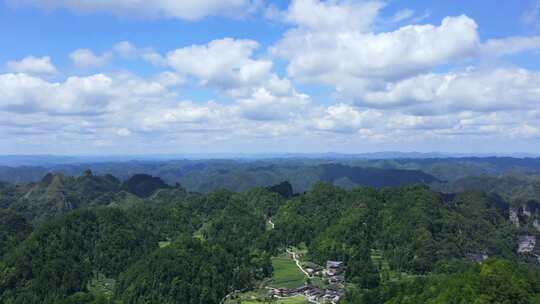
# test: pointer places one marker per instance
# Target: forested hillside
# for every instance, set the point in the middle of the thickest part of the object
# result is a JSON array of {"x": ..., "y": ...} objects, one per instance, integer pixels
[
  {"x": 96, "y": 239},
  {"x": 513, "y": 187}
]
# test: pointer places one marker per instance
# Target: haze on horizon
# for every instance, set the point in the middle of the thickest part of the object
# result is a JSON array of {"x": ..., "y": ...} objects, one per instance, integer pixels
[{"x": 247, "y": 76}]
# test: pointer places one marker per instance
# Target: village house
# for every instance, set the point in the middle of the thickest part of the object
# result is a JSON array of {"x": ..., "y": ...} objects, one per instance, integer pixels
[
  {"x": 337, "y": 279},
  {"x": 478, "y": 257},
  {"x": 526, "y": 244},
  {"x": 312, "y": 269},
  {"x": 334, "y": 268},
  {"x": 333, "y": 273},
  {"x": 312, "y": 293}
]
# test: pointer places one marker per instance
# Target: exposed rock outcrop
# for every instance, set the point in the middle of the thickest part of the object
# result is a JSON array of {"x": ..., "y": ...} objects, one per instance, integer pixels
[{"x": 514, "y": 218}]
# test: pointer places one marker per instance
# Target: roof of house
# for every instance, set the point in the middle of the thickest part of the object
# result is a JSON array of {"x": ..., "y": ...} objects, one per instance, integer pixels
[
  {"x": 311, "y": 265},
  {"x": 334, "y": 264}
]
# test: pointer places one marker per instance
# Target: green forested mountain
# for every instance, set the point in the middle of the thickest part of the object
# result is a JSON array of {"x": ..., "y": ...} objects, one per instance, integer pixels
[
  {"x": 513, "y": 187},
  {"x": 414, "y": 227},
  {"x": 188, "y": 271},
  {"x": 144, "y": 185},
  {"x": 495, "y": 281},
  {"x": 95, "y": 239},
  {"x": 209, "y": 175},
  {"x": 57, "y": 194},
  {"x": 243, "y": 174},
  {"x": 61, "y": 257}
]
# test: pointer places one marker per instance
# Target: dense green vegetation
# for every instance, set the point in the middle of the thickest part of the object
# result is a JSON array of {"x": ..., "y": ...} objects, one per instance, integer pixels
[
  {"x": 516, "y": 189},
  {"x": 96, "y": 239},
  {"x": 13, "y": 230},
  {"x": 187, "y": 271},
  {"x": 415, "y": 228},
  {"x": 62, "y": 256},
  {"x": 493, "y": 282}
]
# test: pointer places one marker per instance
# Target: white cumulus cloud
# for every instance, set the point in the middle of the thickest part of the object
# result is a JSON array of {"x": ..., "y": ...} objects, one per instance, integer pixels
[
  {"x": 85, "y": 58},
  {"x": 335, "y": 43},
  {"x": 129, "y": 51},
  {"x": 182, "y": 9},
  {"x": 346, "y": 119},
  {"x": 470, "y": 90},
  {"x": 225, "y": 64},
  {"x": 32, "y": 65},
  {"x": 337, "y": 56}
]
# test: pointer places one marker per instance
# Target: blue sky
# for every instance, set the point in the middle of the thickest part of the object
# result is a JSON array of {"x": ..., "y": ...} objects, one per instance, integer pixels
[
  {"x": 27, "y": 29},
  {"x": 87, "y": 77}
]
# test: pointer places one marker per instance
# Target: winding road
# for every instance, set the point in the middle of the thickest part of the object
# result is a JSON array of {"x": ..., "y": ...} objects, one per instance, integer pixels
[
  {"x": 295, "y": 258},
  {"x": 239, "y": 291},
  {"x": 292, "y": 253},
  {"x": 231, "y": 294},
  {"x": 271, "y": 223}
]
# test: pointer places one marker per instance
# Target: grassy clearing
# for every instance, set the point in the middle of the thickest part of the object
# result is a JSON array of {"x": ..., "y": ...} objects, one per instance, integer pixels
[
  {"x": 164, "y": 244},
  {"x": 286, "y": 274},
  {"x": 293, "y": 300}
]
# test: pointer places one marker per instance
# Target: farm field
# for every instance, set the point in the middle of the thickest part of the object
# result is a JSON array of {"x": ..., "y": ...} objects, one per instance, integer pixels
[
  {"x": 293, "y": 300},
  {"x": 259, "y": 297},
  {"x": 286, "y": 273}
]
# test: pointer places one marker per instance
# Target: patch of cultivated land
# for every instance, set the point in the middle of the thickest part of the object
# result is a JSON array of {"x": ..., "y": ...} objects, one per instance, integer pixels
[
  {"x": 292, "y": 300},
  {"x": 261, "y": 297},
  {"x": 286, "y": 274}
]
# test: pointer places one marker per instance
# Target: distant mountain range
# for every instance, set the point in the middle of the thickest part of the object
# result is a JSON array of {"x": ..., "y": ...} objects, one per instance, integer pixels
[
  {"x": 52, "y": 160},
  {"x": 243, "y": 174}
]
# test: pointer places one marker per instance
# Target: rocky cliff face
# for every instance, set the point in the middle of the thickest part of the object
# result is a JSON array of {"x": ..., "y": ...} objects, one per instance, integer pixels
[
  {"x": 514, "y": 218},
  {"x": 525, "y": 215}
]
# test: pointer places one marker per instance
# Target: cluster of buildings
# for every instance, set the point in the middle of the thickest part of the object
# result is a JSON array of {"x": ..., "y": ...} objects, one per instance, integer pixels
[
  {"x": 312, "y": 293},
  {"x": 333, "y": 275}
]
